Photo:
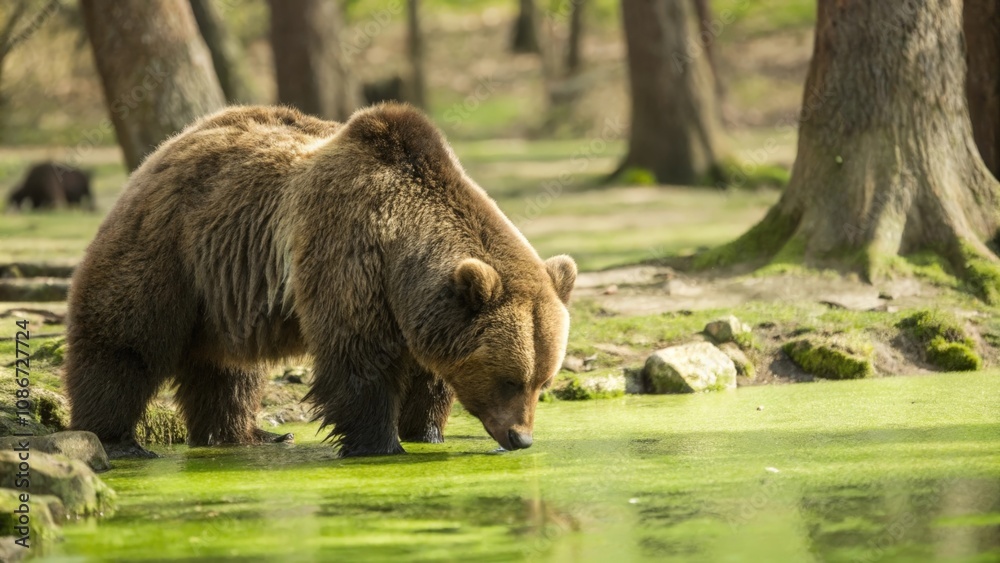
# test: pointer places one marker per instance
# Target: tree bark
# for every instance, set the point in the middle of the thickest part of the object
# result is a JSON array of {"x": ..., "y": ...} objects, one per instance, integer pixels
[
  {"x": 574, "y": 47},
  {"x": 525, "y": 37},
  {"x": 311, "y": 70},
  {"x": 156, "y": 71},
  {"x": 982, "y": 38},
  {"x": 415, "y": 41},
  {"x": 675, "y": 123},
  {"x": 887, "y": 164},
  {"x": 228, "y": 57}
]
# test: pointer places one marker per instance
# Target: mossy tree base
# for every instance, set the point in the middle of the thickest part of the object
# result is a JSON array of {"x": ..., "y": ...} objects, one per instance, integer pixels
[{"x": 886, "y": 164}]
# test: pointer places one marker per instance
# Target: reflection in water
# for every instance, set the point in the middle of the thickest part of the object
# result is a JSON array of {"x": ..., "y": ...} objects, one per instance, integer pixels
[{"x": 913, "y": 519}]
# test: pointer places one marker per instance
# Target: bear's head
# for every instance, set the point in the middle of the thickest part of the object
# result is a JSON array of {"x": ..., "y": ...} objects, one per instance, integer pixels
[{"x": 517, "y": 338}]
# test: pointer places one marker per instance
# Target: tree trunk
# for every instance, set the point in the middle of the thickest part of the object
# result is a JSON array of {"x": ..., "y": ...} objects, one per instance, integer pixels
[
  {"x": 311, "y": 70},
  {"x": 887, "y": 164},
  {"x": 156, "y": 71},
  {"x": 415, "y": 41},
  {"x": 525, "y": 37},
  {"x": 982, "y": 38},
  {"x": 574, "y": 48},
  {"x": 227, "y": 54},
  {"x": 675, "y": 120}
]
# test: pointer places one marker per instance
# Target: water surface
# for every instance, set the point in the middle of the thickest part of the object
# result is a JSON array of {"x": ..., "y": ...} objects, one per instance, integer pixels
[{"x": 894, "y": 469}]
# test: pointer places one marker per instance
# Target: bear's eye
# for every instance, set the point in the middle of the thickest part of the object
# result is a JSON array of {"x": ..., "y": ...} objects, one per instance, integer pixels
[{"x": 512, "y": 384}]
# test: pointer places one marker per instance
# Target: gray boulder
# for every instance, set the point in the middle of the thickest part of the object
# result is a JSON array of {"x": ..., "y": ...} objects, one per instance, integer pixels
[
  {"x": 43, "y": 514},
  {"x": 74, "y": 444},
  {"x": 72, "y": 481},
  {"x": 689, "y": 368},
  {"x": 725, "y": 329}
]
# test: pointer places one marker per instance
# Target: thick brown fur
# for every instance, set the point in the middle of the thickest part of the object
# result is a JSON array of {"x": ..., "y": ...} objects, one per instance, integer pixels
[
  {"x": 48, "y": 185},
  {"x": 259, "y": 233}
]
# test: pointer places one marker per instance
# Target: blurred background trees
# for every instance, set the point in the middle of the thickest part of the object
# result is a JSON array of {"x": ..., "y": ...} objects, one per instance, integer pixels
[{"x": 155, "y": 69}]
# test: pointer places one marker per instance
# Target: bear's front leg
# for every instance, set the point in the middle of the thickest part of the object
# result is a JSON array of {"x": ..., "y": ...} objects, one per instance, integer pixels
[
  {"x": 358, "y": 395},
  {"x": 426, "y": 409}
]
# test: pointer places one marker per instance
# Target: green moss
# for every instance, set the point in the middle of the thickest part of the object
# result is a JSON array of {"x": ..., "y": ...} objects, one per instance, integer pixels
[
  {"x": 161, "y": 425},
  {"x": 946, "y": 344},
  {"x": 636, "y": 176},
  {"x": 731, "y": 173},
  {"x": 832, "y": 358},
  {"x": 51, "y": 352},
  {"x": 981, "y": 274},
  {"x": 572, "y": 390},
  {"x": 953, "y": 356},
  {"x": 762, "y": 241}
]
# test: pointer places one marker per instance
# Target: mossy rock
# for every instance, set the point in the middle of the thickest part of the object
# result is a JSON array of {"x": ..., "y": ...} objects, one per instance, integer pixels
[
  {"x": 75, "y": 484},
  {"x": 832, "y": 358},
  {"x": 44, "y": 514},
  {"x": 161, "y": 424},
  {"x": 585, "y": 387},
  {"x": 945, "y": 342}
]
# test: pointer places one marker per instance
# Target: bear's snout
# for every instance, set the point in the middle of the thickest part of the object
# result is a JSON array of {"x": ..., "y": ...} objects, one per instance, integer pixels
[{"x": 519, "y": 440}]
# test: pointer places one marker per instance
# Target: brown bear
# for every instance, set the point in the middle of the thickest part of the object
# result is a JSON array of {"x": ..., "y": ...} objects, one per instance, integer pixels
[
  {"x": 48, "y": 185},
  {"x": 259, "y": 232}
]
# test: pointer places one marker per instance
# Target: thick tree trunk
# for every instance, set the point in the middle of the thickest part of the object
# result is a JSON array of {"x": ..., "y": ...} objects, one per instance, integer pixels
[
  {"x": 227, "y": 54},
  {"x": 311, "y": 70},
  {"x": 156, "y": 71},
  {"x": 574, "y": 47},
  {"x": 982, "y": 38},
  {"x": 525, "y": 36},
  {"x": 415, "y": 41},
  {"x": 887, "y": 164},
  {"x": 675, "y": 123}
]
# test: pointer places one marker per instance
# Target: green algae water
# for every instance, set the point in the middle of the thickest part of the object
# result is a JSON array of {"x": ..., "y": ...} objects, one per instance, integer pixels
[{"x": 894, "y": 469}]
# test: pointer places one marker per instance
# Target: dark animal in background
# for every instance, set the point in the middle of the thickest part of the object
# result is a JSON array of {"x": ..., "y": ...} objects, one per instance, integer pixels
[
  {"x": 50, "y": 185},
  {"x": 391, "y": 89}
]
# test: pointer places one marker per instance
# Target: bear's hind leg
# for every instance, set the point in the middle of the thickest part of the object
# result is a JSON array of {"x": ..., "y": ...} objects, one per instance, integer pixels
[
  {"x": 108, "y": 393},
  {"x": 220, "y": 405},
  {"x": 426, "y": 409}
]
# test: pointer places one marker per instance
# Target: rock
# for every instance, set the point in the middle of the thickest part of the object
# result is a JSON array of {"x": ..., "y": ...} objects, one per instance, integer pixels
[
  {"x": 726, "y": 329},
  {"x": 45, "y": 512},
  {"x": 744, "y": 366},
  {"x": 74, "y": 444},
  {"x": 296, "y": 374},
  {"x": 634, "y": 382},
  {"x": 81, "y": 491},
  {"x": 610, "y": 290},
  {"x": 838, "y": 357},
  {"x": 592, "y": 386},
  {"x": 573, "y": 364},
  {"x": 689, "y": 368}
]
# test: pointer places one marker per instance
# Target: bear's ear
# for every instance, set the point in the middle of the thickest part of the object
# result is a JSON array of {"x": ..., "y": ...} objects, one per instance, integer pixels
[
  {"x": 476, "y": 282},
  {"x": 562, "y": 270}
]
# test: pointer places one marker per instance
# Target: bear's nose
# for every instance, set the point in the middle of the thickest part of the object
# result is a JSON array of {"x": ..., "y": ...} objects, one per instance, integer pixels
[{"x": 518, "y": 440}]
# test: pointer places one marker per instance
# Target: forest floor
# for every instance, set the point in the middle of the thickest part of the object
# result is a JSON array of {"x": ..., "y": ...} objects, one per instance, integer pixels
[{"x": 634, "y": 295}]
